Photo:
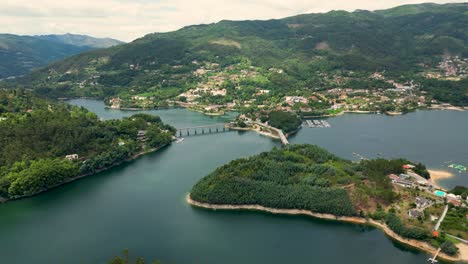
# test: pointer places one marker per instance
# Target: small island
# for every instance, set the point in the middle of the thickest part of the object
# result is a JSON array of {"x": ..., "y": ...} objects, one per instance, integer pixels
[{"x": 393, "y": 195}]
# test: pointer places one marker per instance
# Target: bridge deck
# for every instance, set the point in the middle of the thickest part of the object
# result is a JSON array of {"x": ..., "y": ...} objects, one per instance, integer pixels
[{"x": 204, "y": 126}]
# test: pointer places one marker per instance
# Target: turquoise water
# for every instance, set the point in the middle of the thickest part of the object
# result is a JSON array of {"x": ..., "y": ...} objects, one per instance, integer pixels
[
  {"x": 140, "y": 205},
  {"x": 440, "y": 193}
]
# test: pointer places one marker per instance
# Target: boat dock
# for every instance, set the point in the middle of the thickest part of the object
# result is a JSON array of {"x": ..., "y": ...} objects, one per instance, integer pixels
[
  {"x": 316, "y": 123},
  {"x": 434, "y": 259}
]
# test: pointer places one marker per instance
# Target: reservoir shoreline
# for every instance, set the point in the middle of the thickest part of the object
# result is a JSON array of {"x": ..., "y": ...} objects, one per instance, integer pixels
[
  {"x": 81, "y": 176},
  {"x": 347, "y": 219}
]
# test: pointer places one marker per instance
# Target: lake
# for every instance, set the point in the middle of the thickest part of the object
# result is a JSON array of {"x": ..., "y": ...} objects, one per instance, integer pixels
[{"x": 141, "y": 205}]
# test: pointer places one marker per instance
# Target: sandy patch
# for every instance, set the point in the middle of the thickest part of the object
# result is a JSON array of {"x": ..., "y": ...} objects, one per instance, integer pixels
[
  {"x": 437, "y": 175},
  {"x": 463, "y": 250}
]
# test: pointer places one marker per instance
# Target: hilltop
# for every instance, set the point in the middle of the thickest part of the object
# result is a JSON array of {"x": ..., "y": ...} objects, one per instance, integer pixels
[
  {"x": 82, "y": 40},
  {"x": 422, "y": 47},
  {"x": 20, "y": 54}
]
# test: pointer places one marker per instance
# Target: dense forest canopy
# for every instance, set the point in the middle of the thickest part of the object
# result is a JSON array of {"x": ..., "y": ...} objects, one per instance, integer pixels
[
  {"x": 20, "y": 54},
  {"x": 300, "y": 177},
  {"x": 310, "y": 178},
  {"x": 288, "y": 122},
  {"x": 37, "y": 134}
]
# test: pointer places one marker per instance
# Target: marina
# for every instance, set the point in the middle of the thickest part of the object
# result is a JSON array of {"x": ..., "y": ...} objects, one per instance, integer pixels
[{"x": 316, "y": 124}]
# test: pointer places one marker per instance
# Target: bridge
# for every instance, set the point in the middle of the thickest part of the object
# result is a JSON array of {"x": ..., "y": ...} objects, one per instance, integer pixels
[{"x": 201, "y": 130}]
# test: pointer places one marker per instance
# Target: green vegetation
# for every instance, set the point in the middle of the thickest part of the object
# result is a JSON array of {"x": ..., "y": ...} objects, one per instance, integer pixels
[
  {"x": 460, "y": 190},
  {"x": 20, "y": 54},
  {"x": 455, "y": 222},
  {"x": 82, "y": 40},
  {"x": 292, "y": 178},
  {"x": 310, "y": 178},
  {"x": 449, "y": 248},
  {"x": 395, "y": 223},
  {"x": 297, "y": 56},
  {"x": 288, "y": 122},
  {"x": 37, "y": 134},
  {"x": 301, "y": 177},
  {"x": 125, "y": 259}
]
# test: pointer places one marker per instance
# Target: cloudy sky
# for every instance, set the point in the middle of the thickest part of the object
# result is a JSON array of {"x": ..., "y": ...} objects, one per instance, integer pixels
[{"x": 130, "y": 19}]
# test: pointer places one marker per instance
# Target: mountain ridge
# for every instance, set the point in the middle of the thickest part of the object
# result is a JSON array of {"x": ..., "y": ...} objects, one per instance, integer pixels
[
  {"x": 20, "y": 54},
  {"x": 401, "y": 41}
]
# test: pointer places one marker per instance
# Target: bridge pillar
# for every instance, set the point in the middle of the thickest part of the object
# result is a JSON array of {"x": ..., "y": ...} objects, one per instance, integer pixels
[
  {"x": 203, "y": 131},
  {"x": 195, "y": 131}
]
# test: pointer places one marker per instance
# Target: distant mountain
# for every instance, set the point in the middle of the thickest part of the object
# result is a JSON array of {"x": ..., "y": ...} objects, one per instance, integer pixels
[
  {"x": 312, "y": 51},
  {"x": 20, "y": 54},
  {"x": 82, "y": 40}
]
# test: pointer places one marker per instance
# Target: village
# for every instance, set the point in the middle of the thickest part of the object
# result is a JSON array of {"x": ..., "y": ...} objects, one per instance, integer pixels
[
  {"x": 425, "y": 204},
  {"x": 245, "y": 88}
]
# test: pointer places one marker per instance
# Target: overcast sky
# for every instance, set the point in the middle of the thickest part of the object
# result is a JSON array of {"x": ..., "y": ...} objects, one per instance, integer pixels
[{"x": 130, "y": 19}]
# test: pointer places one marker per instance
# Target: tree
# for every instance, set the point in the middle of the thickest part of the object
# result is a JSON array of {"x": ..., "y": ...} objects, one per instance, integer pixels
[{"x": 449, "y": 248}]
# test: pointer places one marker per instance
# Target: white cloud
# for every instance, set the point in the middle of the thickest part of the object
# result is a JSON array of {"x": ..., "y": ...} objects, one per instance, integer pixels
[{"x": 130, "y": 19}]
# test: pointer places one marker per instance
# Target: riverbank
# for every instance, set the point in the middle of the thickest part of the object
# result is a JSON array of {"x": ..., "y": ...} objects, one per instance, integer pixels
[
  {"x": 140, "y": 109},
  {"x": 391, "y": 113},
  {"x": 452, "y": 108},
  {"x": 324, "y": 116},
  {"x": 135, "y": 156},
  {"x": 257, "y": 130},
  {"x": 220, "y": 113},
  {"x": 421, "y": 245},
  {"x": 437, "y": 175}
]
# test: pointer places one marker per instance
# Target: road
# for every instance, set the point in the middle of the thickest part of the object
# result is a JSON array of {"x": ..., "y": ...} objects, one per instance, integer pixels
[{"x": 441, "y": 218}]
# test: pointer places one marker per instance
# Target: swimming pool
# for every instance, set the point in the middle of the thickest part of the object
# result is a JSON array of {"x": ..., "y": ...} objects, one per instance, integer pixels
[{"x": 440, "y": 193}]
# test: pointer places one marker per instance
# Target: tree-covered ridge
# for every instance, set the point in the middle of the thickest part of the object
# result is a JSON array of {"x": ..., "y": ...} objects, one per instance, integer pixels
[
  {"x": 310, "y": 178},
  {"x": 313, "y": 51},
  {"x": 36, "y": 136},
  {"x": 20, "y": 54},
  {"x": 300, "y": 177}
]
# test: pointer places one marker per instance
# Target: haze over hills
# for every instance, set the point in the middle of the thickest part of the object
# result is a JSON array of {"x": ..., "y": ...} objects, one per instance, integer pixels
[
  {"x": 310, "y": 50},
  {"x": 20, "y": 54},
  {"x": 82, "y": 40}
]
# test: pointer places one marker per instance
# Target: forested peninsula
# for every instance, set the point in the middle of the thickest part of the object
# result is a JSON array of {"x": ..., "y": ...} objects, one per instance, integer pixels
[
  {"x": 44, "y": 144},
  {"x": 308, "y": 180}
]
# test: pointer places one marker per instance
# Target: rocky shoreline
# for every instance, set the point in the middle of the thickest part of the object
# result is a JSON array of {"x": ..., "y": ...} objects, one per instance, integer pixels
[{"x": 354, "y": 220}]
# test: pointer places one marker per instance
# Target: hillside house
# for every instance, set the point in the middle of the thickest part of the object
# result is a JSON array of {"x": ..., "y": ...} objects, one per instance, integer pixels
[
  {"x": 141, "y": 135},
  {"x": 415, "y": 213},
  {"x": 422, "y": 202},
  {"x": 72, "y": 157}
]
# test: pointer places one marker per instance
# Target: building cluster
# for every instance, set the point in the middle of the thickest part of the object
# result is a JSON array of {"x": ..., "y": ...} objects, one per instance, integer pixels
[
  {"x": 412, "y": 180},
  {"x": 421, "y": 204}
]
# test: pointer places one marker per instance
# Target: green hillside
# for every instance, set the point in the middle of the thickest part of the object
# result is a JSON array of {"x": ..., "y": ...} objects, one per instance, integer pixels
[
  {"x": 307, "y": 177},
  {"x": 313, "y": 51},
  {"x": 20, "y": 54},
  {"x": 37, "y": 134},
  {"x": 82, "y": 40}
]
